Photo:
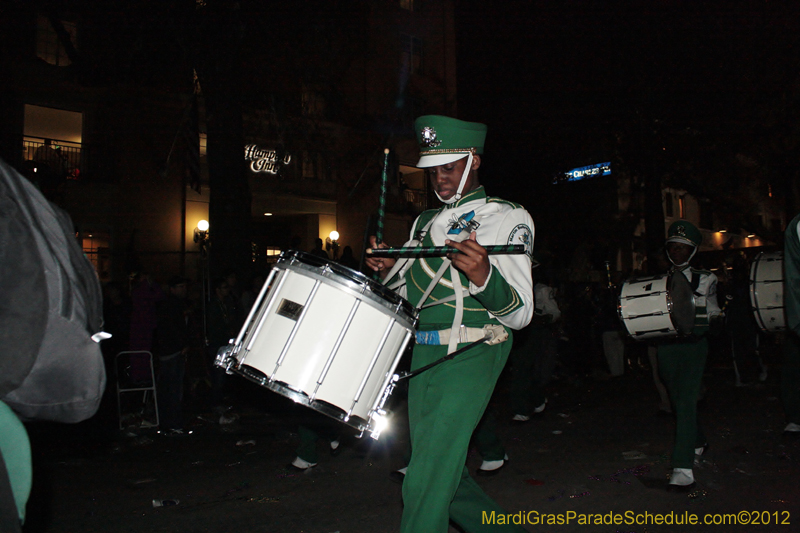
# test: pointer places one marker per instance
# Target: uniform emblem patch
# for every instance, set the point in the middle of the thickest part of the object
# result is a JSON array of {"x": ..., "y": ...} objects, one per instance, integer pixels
[
  {"x": 463, "y": 223},
  {"x": 522, "y": 234},
  {"x": 428, "y": 138}
]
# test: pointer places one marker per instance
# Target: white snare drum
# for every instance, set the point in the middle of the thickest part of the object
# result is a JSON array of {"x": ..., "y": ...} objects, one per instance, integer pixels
[
  {"x": 324, "y": 336},
  {"x": 657, "y": 306},
  {"x": 766, "y": 291}
]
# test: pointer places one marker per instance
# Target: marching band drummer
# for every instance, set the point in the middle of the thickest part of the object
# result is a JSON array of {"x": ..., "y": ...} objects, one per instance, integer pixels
[
  {"x": 681, "y": 362},
  {"x": 446, "y": 402},
  {"x": 790, "y": 373}
]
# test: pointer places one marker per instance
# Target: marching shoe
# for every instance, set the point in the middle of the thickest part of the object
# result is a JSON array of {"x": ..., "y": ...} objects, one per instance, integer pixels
[
  {"x": 702, "y": 449},
  {"x": 541, "y": 407},
  {"x": 792, "y": 429},
  {"x": 398, "y": 476},
  {"x": 520, "y": 418},
  {"x": 698, "y": 453},
  {"x": 682, "y": 480},
  {"x": 335, "y": 449},
  {"x": 301, "y": 465},
  {"x": 492, "y": 468},
  {"x": 681, "y": 488}
]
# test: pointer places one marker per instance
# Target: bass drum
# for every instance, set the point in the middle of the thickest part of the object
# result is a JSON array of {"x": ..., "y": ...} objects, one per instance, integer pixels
[
  {"x": 766, "y": 291},
  {"x": 659, "y": 306}
]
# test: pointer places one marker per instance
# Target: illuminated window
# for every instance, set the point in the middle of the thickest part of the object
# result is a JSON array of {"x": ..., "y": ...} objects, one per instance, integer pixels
[
  {"x": 48, "y": 45},
  {"x": 681, "y": 207},
  {"x": 203, "y": 144},
  {"x": 273, "y": 253},
  {"x": 411, "y": 53},
  {"x": 52, "y": 140},
  {"x": 97, "y": 249}
]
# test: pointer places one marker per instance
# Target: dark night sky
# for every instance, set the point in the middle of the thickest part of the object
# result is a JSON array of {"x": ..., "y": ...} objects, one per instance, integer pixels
[{"x": 554, "y": 79}]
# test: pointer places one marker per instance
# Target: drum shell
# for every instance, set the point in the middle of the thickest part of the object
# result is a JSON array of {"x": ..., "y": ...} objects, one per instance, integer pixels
[
  {"x": 321, "y": 333},
  {"x": 660, "y": 306},
  {"x": 766, "y": 291}
]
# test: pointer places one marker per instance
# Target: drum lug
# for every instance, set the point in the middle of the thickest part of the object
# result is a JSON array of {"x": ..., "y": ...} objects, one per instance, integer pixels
[
  {"x": 224, "y": 359},
  {"x": 379, "y": 421},
  {"x": 379, "y": 418}
]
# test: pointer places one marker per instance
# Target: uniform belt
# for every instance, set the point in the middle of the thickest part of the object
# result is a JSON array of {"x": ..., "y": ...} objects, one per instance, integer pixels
[{"x": 494, "y": 333}]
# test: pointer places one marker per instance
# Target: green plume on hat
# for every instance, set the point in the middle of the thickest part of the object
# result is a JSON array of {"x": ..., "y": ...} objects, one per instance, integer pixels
[
  {"x": 443, "y": 139},
  {"x": 685, "y": 232}
]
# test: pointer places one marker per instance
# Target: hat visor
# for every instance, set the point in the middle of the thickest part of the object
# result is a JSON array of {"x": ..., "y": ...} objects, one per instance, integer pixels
[
  {"x": 682, "y": 240},
  {"x": 435, "y": 160}
]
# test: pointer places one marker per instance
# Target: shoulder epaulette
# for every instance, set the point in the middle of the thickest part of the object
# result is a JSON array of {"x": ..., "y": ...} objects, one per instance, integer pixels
[{"x": 492, "y": 199}]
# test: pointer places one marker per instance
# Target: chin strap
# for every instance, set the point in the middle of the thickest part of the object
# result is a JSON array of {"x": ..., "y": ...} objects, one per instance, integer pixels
[
  {"x": 457, "y": 196},
  {"x": 684, "y": 264}
]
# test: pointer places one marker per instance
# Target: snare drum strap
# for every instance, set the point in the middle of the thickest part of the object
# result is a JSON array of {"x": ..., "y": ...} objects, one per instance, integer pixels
[
  {"x": 402, "y": 265},
  {"x": 695, "y": 283}
]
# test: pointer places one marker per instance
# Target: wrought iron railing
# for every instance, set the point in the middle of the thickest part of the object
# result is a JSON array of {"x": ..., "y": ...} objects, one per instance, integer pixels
[{"x": 63, "y": 158}]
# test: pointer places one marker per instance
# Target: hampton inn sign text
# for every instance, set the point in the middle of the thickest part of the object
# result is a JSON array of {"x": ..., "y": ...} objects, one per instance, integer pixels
[{"x": 264, "y": 160}]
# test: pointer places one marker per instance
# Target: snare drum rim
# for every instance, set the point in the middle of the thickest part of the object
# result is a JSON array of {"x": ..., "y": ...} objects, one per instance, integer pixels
[
  {"x": 755, "y": 284},
  {"x": 302, "y": 398},
  {"x": 351, "y": 282}
]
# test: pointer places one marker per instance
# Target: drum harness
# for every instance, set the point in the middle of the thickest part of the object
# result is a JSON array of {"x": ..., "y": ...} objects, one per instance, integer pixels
[
  {"x": 694, "y": 283},
  {"x": 458, "y": 333}
]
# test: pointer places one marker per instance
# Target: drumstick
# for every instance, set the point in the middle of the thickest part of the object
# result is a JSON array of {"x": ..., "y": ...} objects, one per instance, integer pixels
[
  {"x": 382, "y": 205},
  {"x": 441, "y": 251}
]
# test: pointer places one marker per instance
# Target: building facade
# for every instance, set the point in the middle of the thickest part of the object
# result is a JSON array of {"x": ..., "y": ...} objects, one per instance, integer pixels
[{"x": 107, "y": 114}]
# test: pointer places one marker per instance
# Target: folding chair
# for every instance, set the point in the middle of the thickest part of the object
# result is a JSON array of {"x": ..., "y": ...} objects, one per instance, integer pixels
[{"x": 129, "y": 385}]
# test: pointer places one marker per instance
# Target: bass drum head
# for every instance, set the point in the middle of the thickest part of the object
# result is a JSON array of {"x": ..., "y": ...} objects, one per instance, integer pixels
[{"x": 681, "y": 302}]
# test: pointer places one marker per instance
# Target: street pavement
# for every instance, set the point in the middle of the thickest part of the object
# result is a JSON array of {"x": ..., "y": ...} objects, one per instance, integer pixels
[{"x": 598, "y": 453}]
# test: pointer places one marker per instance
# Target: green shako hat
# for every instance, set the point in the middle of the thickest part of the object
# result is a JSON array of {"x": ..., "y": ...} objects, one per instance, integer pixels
[
  {"x": 684, "y": 232},
  {"x": 443, "y": 139}
]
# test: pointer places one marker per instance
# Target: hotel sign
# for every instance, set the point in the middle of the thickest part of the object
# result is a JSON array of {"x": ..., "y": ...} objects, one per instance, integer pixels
[
  {"x": 264, "y": 160},
  {"x": 580, "y": 173}
]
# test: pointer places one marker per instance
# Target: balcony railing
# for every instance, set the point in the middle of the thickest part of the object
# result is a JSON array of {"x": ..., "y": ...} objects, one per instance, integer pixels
[{"x": 60, "y": 158}]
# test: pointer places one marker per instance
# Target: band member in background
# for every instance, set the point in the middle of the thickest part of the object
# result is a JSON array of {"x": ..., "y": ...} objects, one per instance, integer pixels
[
  {"x": 468, "y": 291},
  {"x": 790, "y": 373},
  {"x": 681, "y": 362}
]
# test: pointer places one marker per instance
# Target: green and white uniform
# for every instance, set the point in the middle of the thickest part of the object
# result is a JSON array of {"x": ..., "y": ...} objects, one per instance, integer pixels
[
  {"x": 446, "y": 402},
  {"x": 681, "y": 364},
  {"x": 790, "y": 373}
]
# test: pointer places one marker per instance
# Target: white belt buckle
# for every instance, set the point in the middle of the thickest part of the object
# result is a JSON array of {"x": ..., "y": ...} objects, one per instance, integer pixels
[
  {"x": 496, "y": 333},
  {"x": 462, "y": 333}
]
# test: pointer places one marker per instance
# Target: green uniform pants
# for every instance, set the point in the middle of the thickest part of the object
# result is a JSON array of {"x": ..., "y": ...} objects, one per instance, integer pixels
[
  {"x": 486, "y": 438},
  {"x": 681, "y": 366},
  {"x": 532, "y": 364},
  {"x": 790, "y": 377},
  {"x": 445, "y": 405}
]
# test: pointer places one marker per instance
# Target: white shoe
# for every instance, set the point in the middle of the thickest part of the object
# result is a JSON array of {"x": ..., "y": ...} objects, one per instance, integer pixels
[
  {"x": 302, "y": 464},
  {"x": 701, "y": 450},
  {"x": 520, "y": 418},
  {"x": 490, "y": 468},
  {"x": 792, "y": 428},
  {"x": 541, "y": 407},
  {"x": 681, "y": 477}
]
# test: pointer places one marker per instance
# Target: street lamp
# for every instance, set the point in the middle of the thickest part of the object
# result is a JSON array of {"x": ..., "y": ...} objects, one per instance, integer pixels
[
  {"x": 201, "y": 232},
  {"x": 332, "y": 243},
  {"x": 201, "y": 236}
]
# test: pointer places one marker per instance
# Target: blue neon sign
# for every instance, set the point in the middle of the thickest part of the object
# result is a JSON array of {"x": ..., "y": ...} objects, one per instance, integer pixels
[{"x": 581, "y": 173}]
